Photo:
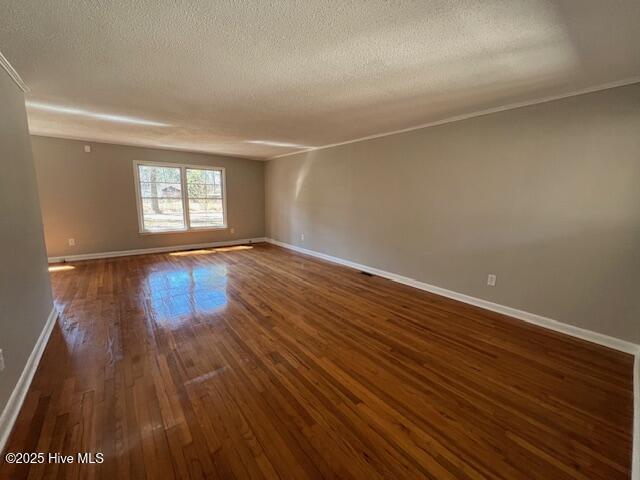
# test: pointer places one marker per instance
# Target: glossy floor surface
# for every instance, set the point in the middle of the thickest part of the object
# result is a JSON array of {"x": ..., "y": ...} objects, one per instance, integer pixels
[{"x": 259, "y": 362}]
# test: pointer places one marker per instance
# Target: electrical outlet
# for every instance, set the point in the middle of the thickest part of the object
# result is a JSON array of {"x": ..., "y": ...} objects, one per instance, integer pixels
[
  {"x": 302, "y": 237},
  {"x": 232, "y": 230},
  {"x": 87, "y": 148},
  {"x": 72, "y": 242},
  {"x": 491, "y": 280},
  {"x": 1, "y": 361}
]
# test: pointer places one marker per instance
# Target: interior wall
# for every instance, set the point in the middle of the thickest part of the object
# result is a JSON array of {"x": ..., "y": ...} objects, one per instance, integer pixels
[
  {"x": 91, "y": 197},
  {"x": 546, "y": 197},
  {"x": 25, "y": 293}
]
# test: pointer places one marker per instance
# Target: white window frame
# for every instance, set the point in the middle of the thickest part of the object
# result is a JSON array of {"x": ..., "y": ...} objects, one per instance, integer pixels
[{"x": 185, "y": 196}]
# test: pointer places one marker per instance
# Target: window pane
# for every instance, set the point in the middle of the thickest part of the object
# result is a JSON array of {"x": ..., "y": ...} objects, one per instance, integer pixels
[
  {"x": 162, "y": 214},
  {"x": 160, "y": 190},
  {"x": 202, "y": 190},
  {"x": 149, "y": 173},
  {"x": 203, "y": 176},
  {"x": 206, "y": 213}
]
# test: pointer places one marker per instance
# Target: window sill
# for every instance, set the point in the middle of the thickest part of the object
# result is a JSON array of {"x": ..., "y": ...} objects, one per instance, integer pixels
[{"x": 189, "y": 230}]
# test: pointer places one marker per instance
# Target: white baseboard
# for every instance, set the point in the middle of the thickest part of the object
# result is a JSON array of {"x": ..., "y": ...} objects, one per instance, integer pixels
[
  {"x": 635, "y": 469},
  {"x": 595, "y": 337},
  {"x": 13, "y": 406},
  {"x": 143, "y": 251},
  {"x": 588, "y": 335}
]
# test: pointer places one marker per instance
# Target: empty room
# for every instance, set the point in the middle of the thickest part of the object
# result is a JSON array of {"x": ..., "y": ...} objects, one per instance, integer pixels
[{"x": 348, "y": 239}]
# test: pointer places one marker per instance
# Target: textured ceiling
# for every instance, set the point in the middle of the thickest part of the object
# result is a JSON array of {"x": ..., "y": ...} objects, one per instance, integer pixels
[{"x": 217, "y": 74}]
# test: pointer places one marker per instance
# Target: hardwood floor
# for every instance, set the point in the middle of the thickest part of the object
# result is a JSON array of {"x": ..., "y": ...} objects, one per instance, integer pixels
[{"x": 252, "y": 363}]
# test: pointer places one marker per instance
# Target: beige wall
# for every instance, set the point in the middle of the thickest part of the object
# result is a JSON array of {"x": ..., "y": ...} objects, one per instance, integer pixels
[
  {"x": 547, "y": 197},
  {"x": 91, "y": 196},
  {"x": 25, "y": 294}
]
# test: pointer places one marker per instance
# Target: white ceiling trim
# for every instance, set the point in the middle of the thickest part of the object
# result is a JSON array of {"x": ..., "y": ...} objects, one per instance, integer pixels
[
  {"x": 12, "y": 73},
  {"x": 457, "y": 118}
]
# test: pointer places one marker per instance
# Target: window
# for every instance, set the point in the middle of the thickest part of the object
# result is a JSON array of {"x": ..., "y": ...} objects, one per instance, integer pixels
[{"x": 179, "y": 198}]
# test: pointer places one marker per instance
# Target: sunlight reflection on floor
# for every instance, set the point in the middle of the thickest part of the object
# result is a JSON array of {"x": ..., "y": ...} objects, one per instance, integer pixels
[
  {"x": 234, "y": 248},
  {"x": 60, "y": 268},
  {"x": 175, "y": 296},
  {"x": 191, "y": 252}
]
